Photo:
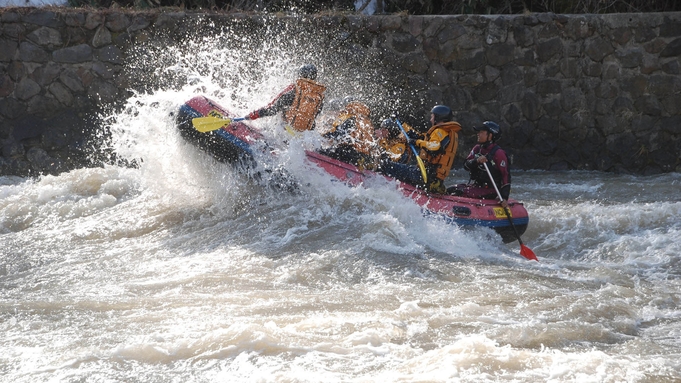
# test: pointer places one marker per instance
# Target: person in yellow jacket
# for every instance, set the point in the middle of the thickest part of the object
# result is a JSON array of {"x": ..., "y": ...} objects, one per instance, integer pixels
[
  {"x": 300, "y": 102},
  {"x": 352, "y": 136},
  {"x": 437, "y": 148}
]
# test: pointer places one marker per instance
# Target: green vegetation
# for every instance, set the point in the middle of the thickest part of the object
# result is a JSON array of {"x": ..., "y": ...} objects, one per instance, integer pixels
[{"x": 414, "y": 7}]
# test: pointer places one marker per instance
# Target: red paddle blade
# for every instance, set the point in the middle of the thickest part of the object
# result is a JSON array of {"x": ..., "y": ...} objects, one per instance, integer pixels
[{"x": 527, "y": 252}]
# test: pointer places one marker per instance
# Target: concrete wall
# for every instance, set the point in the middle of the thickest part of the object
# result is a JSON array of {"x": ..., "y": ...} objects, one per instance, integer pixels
[{"x": 596, "y": 92}]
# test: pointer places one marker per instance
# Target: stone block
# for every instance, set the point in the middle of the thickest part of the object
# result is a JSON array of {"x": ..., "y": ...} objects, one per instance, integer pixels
[
  {"x": 630, "y": 57},
  {"x": 673, "y": 49},
  {"x": 548, "y": 86},
  {"x": 12, "y": 149},
  {"x": 45, "y": 74},
  {"x": 8, "y": 48},
  {"x": 29, "y": 52},
  {"x": 438, "y": 75},
  {"x": 76, "y": 54},
  {"x": 531, "y": 106},
  {"x": 6, "y": 85},
  {"x": 43, "y": 105},
  {"x": 71, "y": 79},
  {"x": 485, "y": 92},
  {"x": 102, "y": 37},
  {"x": 548, "y": 49},
  {"x": 451, "y": 31},
  {"x": 525, "y": 57},
  {"x": 110, "y": 54},
  {"x": 598, "y": 48},
  {"x": 670, "y": 27},
  {"x": 512, "y": 113},
  {"x": 139, "y": 22},
  {"x": 511, "y": 75},
  {"x": 61, "y": 93},
  {"x": 511, "y": 94},
  {"x": 523, "y": 36},
  {"x": 43, "y": 18},
  {"x": 405, "y": 43},
  {"x": 11, "y": 108},
  {"x": 648, "y": 104},
  {"x": 74, "y": 19},
  {"x": 497, "y": 31},
  {"x": 93, "y": 20},
  {"x": 14, "y": 31},
  {"x": 26, "y": 88},
  {"x": 102, "y": 90},
  {"x": 500, "y": 54},
  {"x": 47, "y": 37},
  {"x": 117, "y": 22},
  {"x": 552, "y": 108},
  {"x": 671, "y": 66}
]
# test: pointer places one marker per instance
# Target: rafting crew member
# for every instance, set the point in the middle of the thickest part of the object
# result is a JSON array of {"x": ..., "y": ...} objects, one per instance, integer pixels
[
  {"x": 391, "y": 142},
  {"x": 437, "y": 148},
  {"x": 351, "y": 135},
  {"x": 300, "y": 102},
  {"x": 487, "y": 151}
]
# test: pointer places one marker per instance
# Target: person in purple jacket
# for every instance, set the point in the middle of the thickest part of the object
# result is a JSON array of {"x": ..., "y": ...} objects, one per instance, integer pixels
[{"x": 488, "y": 151}]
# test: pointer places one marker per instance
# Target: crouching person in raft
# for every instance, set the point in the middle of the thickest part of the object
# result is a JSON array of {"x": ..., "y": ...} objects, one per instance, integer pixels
[
  {"x": 437, "y": 150},
  {"x": 351, "y": 136},
  {"x": 486, "y": 151}
]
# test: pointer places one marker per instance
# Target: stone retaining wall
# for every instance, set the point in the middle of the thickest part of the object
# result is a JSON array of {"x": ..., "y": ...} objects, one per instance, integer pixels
[{"x": 596, "y": 92}]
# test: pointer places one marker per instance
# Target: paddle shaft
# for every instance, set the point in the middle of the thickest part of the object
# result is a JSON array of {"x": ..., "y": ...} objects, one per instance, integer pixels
[
  {"x": 524, "y": 250},
  {"x": 413, "y": 149},
  {"x": 501, "y": 199}
]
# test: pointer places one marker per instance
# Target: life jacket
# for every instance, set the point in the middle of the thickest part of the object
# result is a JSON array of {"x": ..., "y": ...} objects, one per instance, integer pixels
[
  {"x": 307, "y": 103},
  {"x": 394, "y": 148},
  {"x": 443, "y": 158},
  {"x": 360, "y": 134}
]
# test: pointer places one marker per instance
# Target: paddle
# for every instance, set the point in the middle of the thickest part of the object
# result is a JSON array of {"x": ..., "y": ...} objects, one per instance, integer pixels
[
  {"x": 524, "y": 250},
  {"x": 413, "y": 149},
  {"x": 210, "y": 123}
]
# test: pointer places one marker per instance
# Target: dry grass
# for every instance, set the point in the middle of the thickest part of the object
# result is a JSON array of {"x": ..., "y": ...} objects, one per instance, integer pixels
[{"x": 415, "y": 7}]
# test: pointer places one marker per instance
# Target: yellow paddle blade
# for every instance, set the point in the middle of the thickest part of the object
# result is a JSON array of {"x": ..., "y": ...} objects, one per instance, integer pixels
[
  {"x": 209, "y": 123},
  {"x": 423, "y": 169}
]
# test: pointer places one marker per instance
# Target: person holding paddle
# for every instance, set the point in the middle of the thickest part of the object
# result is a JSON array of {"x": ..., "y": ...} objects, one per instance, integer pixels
[
  {"x": 299, "y": 102},
  {"x": 437, "y": 151},
  {"x": 351, "y": 136},
  {"x": 488, "y": 151}
]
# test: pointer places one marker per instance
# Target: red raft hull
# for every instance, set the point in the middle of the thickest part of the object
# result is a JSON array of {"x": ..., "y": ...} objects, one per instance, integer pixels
[{"x": 233, "y": 144}]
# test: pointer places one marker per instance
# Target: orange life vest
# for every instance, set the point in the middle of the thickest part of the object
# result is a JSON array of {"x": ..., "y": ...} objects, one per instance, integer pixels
[
  {"x": 361, "y": 137},
  {"x": 442, "y": 158},
  {"x": 306, "y": 104}
]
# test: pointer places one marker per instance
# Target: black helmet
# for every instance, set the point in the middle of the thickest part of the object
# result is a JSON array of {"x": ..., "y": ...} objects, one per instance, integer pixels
[
  {"x": 391, "y": 126},
  {"x": 442, "y": 113},
  {"x": 308, "y": 71},
  {"x": 491, "y": 127}
]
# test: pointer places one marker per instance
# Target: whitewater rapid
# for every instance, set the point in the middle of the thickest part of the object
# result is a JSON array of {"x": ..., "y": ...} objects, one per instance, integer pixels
[{"x": 183, "y": 270}]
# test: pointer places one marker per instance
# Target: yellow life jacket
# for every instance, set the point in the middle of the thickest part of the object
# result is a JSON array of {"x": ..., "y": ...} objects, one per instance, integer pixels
[
  {"x": 393, "y": 147},
  {"x": 361, "y": 136},
  {"x": 306, "y": 104},
  {"x": 443, "y": 158}
]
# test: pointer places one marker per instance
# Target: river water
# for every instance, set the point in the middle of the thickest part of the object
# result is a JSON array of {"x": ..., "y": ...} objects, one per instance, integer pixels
[{"x": 183, "y": 270}]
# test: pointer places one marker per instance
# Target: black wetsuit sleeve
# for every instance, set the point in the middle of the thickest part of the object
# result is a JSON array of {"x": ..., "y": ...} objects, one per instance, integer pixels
[{"x": 283, "y": 102}]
